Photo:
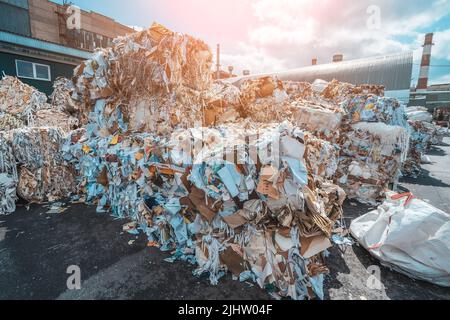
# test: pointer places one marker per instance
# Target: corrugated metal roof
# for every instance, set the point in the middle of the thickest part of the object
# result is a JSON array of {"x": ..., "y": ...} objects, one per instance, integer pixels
[
  {"x": 393, "y": 71},
  {"x": 43, "y": 45}
]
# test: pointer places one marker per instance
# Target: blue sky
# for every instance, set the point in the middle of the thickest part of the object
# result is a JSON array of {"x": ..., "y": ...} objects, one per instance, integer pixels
[{"x": 271, "y": 35}]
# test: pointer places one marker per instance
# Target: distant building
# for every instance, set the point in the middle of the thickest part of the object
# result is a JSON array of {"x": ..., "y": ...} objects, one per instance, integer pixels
[
  {"x": 392, "y": 71},
  {"x": 222, "y": 75},
  {"x": 436, "y": 98},
  {"x": 37, "y": 46}
]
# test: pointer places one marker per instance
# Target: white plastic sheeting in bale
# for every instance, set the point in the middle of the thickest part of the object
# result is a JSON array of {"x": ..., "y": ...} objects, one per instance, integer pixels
[
  {"x": 8, "y": 177},
  {"x": 409, "y": 236}
]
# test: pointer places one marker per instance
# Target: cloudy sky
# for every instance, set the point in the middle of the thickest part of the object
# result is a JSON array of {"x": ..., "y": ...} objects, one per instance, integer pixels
[{"x": 272, "y": 35}]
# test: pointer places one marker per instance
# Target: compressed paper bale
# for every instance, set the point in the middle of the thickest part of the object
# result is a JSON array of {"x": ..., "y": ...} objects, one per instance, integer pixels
[
  {"x": 324, "y": 120},
  {"x": 10, "y": 122},
  {"x": 8, "y": 176},
  {"x": 158, "y": 65},
  {"x": 169, "y": 188},
  {"x": 321, "y": 157},
  {"x": 372, "y": 155},
  {"x": 338, "y": 92},
  {"x": 55, "y": 118},
  {"x": 61, "y": 97},
  {"x": 20, "y": 100},
  {"x": 386, "y": 140},
  {"x": 419, "y": 114},
  {"x": 48, "y": 183},
  {"x": 371, "y": 108},
  {"x": 160, "y": 113},
  {"x": 37, "y": 147},
  {"x": 422, "y": 135}
]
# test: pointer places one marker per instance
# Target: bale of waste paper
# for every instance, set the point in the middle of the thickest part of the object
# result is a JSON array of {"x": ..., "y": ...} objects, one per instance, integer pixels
[
  {"x": 339, "y": 92},
  {"x": 322, "y": 157},
  {"x": 212, "y": 195},
  {"x": 408, "y": 235},
  {"x": 372, "y": 108},
  {"x": 419, "y": 114},
  {"x": 62, "y": 101},
  {"x": 61, "y": 97},
  {"x": 37, "y": 147},
  {"x": 20, "y": 100},
  {"x": 155, "y": 75},
  {"x": 48, "y": 183},
  {"x": 372, "y": 155},
  {"x": 322, "y": 119},
  {"x": 55, "y": 118},
  {"x": 8, "y": 176},
  {"x": 421, "y": 139},
  {"x": 10, "y": 122}
]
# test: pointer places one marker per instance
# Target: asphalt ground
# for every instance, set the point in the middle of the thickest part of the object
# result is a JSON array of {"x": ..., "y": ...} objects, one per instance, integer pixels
[{"x": 37, "y": 247}]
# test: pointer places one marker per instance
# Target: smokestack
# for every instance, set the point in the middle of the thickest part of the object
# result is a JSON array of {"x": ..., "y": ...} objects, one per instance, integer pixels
[
  {"x": 338, "y": 57},
  {"x": 314, "y": 61},
  {"x": 422, "y": 84},
  {"x": 218, "y": 62}
]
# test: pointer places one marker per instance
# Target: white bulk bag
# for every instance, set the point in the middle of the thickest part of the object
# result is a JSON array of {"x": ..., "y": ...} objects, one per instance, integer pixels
[{"x": 409, "y": 236}]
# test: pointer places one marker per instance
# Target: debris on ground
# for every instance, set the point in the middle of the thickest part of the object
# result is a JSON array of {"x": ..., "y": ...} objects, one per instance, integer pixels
[
  {"x": 248, "y": 178},
  {"x": 8, "y": 176},
  {"x": 424, "y": 134},
  {"x": 408, "y": 235},
  {"x": 57, "y": 207}
]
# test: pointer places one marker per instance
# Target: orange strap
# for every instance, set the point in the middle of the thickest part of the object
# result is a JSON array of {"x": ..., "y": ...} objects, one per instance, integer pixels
[{"x": 409, "y": 196}]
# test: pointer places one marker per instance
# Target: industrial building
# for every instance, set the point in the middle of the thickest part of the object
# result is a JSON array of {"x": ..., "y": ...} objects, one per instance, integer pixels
[
  {"x": 37, "y": 46},
  {"x": 393, "y": 71},
  {"x": 434, "y": 97}
]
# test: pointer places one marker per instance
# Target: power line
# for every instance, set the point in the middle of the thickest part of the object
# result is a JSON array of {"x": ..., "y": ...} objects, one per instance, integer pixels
[{"x": 435, "y": 65}]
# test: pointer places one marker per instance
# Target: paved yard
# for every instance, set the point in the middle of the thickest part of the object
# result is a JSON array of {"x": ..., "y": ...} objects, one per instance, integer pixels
[{"x": 36, "y": 248}]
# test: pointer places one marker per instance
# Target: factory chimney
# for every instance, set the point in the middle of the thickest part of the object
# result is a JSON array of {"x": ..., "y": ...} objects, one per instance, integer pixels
[
  {"x": 422, "y": 84},
  {"x": 338, "y": 57},
  {"x": 314, "y": 61}
]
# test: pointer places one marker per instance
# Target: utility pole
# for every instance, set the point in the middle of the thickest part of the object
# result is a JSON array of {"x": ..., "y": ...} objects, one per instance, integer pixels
[{"x": 218, "y": 62}]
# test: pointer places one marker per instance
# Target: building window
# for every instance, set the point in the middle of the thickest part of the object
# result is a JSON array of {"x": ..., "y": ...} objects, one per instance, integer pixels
[{"x": 31, "y": 70}]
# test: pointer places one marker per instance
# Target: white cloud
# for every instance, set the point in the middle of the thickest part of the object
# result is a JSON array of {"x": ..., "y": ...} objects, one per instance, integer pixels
[
  {"x": 291, "y": 32},
  {"x": 442, "y": 79},
  {"x": 136, "y": 28},
  {"x": 441, "y": 50},
  {"x": 251, "y": 58}
]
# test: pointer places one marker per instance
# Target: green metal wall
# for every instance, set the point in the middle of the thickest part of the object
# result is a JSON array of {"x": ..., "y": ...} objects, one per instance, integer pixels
[
  {"x": 14, "y": 17},
  {"x": 8, "y": 65}
]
